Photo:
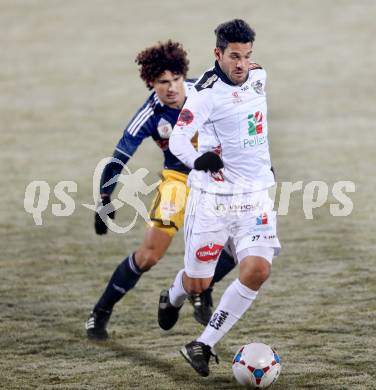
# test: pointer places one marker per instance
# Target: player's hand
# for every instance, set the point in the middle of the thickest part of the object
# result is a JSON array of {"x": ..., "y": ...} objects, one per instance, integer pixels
[
  {"x": 101, "y": 216},
  {"x": 209, "y": 161}
]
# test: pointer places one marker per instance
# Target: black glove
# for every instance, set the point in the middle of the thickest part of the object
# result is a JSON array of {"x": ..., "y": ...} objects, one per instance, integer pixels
[
  {"x": 101, "y": 217},
  {"x": 209, "y": 161}
]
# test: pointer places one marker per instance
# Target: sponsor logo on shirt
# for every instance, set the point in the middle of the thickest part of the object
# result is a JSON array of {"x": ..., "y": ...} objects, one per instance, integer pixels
[
  {"x": 164, "y": 128},
  {"x": 209, "y": 81},
  {"x": 258, "y": 87},
  {"x": 185, "y": 117},
  {"x": 255, "y": 131},
  {"x": 251, "y": 142},
  {"x": 209, "y": 252},
  {"x": 236, "y": 97},
  {"x": 255, "y": 123}
]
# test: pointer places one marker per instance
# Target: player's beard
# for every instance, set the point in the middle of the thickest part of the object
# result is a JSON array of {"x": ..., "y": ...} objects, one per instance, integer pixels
[{"x": 236, "y": 80}]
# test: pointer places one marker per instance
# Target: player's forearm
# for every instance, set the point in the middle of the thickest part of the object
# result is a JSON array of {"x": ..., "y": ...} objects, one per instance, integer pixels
[
  {"x": 181, "y": 146},
  {"x": 111, "y": 170}
]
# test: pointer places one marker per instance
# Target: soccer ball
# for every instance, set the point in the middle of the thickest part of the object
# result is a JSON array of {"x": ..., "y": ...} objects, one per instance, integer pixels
[{"x": 256, "y": 365}]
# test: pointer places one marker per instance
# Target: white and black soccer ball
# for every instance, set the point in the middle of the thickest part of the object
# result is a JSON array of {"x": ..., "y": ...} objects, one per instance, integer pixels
[{"x": 256, "y": 365}]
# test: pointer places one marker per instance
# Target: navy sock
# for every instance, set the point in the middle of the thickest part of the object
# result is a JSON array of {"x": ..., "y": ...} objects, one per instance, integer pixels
[
  {"x": 225, "y": 264},
  {"x": 123, "y": 279}
]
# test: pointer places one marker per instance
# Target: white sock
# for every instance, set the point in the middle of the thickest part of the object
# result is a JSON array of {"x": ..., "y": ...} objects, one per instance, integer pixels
[
  {"x": 177, "y": 292},
  {"x": 234, "y": 303}
]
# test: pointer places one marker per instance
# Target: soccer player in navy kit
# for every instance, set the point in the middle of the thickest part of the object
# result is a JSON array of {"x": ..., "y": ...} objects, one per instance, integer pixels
[{"x": 163, "y": 68}]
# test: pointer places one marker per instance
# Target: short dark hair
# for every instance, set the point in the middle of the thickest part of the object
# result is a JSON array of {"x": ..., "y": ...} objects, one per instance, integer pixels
[
  {"x": 236, "y": 30},
  {"x": 155, "y": 60}
]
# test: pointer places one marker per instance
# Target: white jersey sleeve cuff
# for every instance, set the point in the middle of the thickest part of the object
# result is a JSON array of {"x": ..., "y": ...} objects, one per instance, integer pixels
[{"x": 181, "y": 146}]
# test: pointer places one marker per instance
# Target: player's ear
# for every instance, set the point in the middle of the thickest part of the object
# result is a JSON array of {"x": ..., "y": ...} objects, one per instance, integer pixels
[{"x": 217, "y": 53}]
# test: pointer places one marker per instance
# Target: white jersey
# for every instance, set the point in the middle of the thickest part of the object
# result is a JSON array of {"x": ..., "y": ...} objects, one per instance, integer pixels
[{"x": 231, "y": 121}]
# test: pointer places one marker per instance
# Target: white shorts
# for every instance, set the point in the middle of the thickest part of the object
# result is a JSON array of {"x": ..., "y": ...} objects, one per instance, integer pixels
[{"x": 244, "y": 222}]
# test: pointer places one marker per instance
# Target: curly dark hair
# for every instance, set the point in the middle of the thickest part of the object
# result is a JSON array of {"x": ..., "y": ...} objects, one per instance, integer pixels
[
  {"x": 236, "y": 30},
  {"x": 155, "y": 60}
]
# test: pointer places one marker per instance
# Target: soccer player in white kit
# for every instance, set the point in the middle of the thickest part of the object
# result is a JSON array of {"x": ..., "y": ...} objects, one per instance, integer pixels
[{"x": 229, "y": 201}]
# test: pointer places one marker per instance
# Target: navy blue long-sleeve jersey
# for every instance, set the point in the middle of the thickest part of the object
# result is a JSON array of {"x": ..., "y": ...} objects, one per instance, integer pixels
[{"x": 155, "y": 120}]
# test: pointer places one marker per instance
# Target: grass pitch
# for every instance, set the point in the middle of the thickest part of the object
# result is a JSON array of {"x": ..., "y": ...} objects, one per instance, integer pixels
[{"x": 69, "y": 85}]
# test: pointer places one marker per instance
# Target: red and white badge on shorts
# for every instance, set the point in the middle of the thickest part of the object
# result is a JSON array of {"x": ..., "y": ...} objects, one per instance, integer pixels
[{"x": 209, "y": 252}]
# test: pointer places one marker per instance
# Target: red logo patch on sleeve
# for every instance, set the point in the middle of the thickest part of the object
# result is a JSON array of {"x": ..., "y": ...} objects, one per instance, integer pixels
[
  {"x": 185, "y": 117},
  {"x": 209, "y": 252}
]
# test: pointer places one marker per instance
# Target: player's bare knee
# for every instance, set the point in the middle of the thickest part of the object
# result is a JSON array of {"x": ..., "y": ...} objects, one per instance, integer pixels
[
  {"x": 195, "y": 289},
  {"x": 195, "y": 286},
  {"x": 255, "y": 275},
  {"x": 147, "y": 259},
  {"x": 262, "y": 273}
]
